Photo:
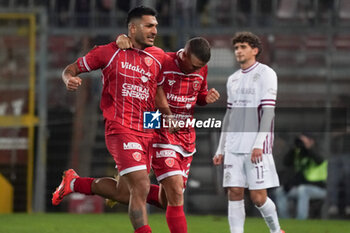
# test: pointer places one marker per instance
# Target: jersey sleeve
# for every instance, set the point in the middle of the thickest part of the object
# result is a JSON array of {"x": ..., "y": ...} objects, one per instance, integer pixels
[
  {"x": 203, "y": 91},
  {"x": 160, "y": 78},
  {"x": 269, "y": 89},
  {"x": 163, "y": 62},
  {"x": 93, "y": 60}
]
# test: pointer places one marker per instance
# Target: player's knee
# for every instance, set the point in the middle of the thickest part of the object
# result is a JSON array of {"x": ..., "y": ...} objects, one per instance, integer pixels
[
  {"x": 235, "y": 194},
  {"x": 258, "y": 199},
  {"x": 175, "y": 195},
  {"x": 140, "y": 188}
]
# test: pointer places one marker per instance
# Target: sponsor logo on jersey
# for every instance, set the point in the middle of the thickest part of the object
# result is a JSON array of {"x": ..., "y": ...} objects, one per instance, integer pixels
[
  {"x": 132, "y": 146},
  {"x": 138, "y": 69},
  {"x": 245, "y": 91},
  {"x": 179, "y": 98},
  {"x": 166, "y": 153},
  {"x": 196, "y": 85},
  {"x": 135, "y": 91},
  {"x": 169, "y": 162},
  {"x": 137, "y": 156},
  {"x": 171, "y": 82},
  {"x": 148, "y": 61},
  {"x": 151, "y": 120}
]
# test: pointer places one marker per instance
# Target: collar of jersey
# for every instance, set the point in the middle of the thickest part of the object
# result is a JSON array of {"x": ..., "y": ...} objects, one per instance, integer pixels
[
  {"x": 250, "y": 68},
  {"x": 178, "y": 57}
]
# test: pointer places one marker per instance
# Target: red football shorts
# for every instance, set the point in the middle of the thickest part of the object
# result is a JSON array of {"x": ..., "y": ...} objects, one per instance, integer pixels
[
  {"x": 130, "y": 152},
  {"x": 167, "y": 162}
]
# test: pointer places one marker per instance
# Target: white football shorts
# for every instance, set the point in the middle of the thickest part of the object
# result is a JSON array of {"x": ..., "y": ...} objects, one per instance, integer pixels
[{"x": 239, "y": 171}]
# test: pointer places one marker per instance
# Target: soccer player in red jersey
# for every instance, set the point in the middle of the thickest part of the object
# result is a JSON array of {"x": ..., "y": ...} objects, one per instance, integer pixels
[
  {"x": 185, "y": 85},
  {"x": 130, "y": 79}
]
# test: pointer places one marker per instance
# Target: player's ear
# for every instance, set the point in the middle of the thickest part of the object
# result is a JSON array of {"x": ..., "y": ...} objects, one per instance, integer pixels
[
  {"x": 255, "y": 51},
  {"x": 132, "y": 27},
  {"x": 186, "y": 53}
]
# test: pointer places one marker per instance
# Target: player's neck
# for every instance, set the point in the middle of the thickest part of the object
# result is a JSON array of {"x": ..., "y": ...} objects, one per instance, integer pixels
[
  {"x": 137, "y": 45},
  {"x": 247, "y": 64}
]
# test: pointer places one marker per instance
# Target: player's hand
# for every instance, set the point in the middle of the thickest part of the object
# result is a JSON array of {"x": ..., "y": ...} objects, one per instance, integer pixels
[
  {"x": 123, "y": 42},
  {"x": 256, "y": 155},
  {"x": 218, "y": 159},
  {"x": 73, "y": 83},
  {"x": 173, "y": 124},
  {"x": 212, "y": 96}
]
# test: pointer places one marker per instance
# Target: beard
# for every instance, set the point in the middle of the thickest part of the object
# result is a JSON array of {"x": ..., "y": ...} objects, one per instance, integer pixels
[{"x": 141, "y": 41}]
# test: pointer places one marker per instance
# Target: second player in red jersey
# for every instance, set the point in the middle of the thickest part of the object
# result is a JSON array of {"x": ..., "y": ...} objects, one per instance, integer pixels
[
  {"x": 185, "y": 85},
  {"x": 183, "y": 91}
]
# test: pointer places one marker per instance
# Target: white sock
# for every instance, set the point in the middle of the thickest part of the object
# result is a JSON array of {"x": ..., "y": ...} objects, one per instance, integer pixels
[
  {"x": 236, "y": 216},
  {"x": 269, "y": 213},
  {"x": 72, "y": 185}
]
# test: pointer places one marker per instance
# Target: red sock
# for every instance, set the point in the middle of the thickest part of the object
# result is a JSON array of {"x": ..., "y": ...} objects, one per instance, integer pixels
[
  {"x": 83, "y": 185},
  {"x": 153, "y": 196},
  {"x": 144, "y": 229},
  {"x": 176, "y": 219}
]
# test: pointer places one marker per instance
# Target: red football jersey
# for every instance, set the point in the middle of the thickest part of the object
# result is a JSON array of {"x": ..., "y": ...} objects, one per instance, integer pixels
[
  {"x": 129, "y": 80},
  {"x": 182, "y": 92}
]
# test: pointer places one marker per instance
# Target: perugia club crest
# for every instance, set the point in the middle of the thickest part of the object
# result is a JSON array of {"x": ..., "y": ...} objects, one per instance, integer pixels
[
  {"x": 170, "y": 162},
  {"x": 171, "y": 82},
  {"x": 196, "y": 85},
  {"x": 137, "y": 156},
  {"x": 148, "y": 61}
]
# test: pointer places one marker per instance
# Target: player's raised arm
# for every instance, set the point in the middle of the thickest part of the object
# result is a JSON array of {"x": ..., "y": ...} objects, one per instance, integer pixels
[{"x": 70, "y": 78}]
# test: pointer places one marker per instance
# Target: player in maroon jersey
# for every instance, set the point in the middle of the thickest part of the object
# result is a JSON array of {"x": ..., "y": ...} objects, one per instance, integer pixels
[
  {"x": 130, "y": 79},
  {"x": 185, "y": 85}
]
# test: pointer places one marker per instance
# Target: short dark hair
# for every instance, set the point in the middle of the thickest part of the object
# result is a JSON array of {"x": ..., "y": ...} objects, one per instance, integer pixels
[
  {"x": 138, "y": 12},
  {"x": 199, "y": 47},
  {"x": 248, "y": 37}
]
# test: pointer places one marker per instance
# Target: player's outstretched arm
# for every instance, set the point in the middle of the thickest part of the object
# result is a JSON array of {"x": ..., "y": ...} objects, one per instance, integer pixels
[
  {"x": 70, "y": 78},
  {"x": 123, "y": 42},
  {"x": 212, "y": 96}
]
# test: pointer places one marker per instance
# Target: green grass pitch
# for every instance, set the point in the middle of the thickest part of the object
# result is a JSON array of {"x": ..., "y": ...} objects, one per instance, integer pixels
[{"x": 119, "y": 223}]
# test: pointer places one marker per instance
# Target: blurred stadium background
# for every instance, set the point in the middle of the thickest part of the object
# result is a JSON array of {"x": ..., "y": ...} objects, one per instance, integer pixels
[{"x": 44, "y": 129}]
